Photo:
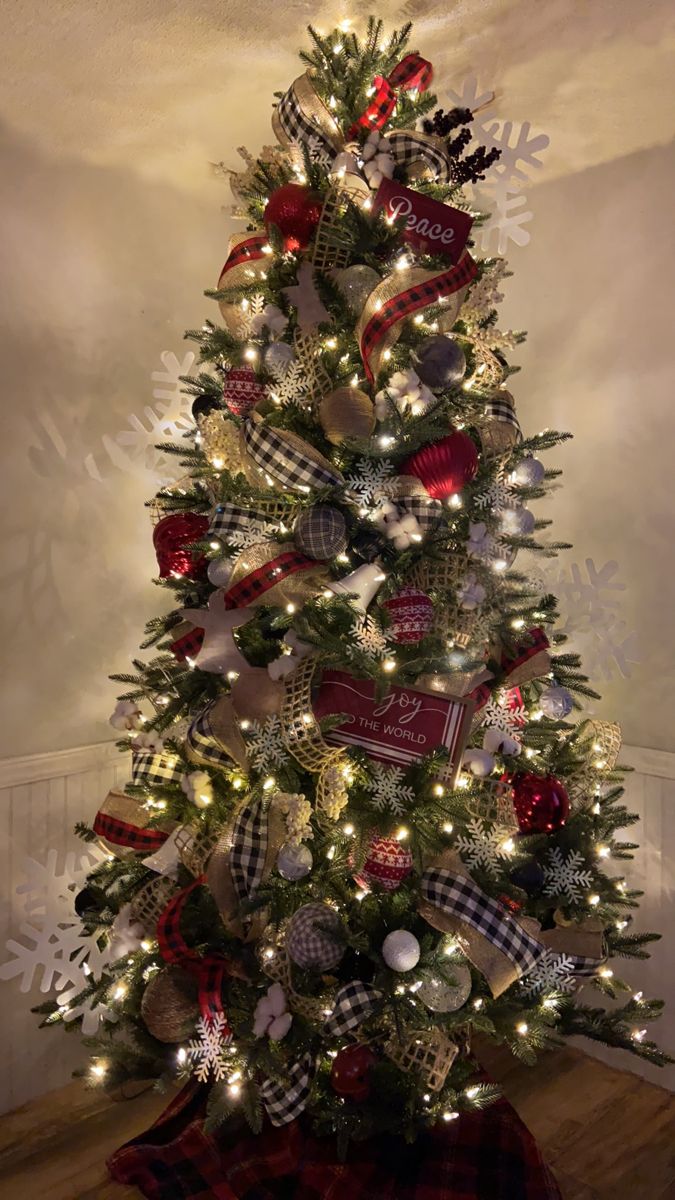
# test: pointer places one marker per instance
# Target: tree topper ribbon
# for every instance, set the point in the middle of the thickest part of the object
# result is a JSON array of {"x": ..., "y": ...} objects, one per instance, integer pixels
[{"x": 413, "y": 71}]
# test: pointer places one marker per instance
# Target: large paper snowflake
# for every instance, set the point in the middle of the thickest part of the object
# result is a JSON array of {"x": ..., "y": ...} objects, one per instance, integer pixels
[
  {"x": 566, "y": 875},
  {"x": 370, "y": 476},
  {"x": 136, "y": 447},
  {"x": 551, "y": 973},
  {"x": 590, "y": 606},
  {"x": 265, "y": 744},
  {"x": 389, "y": 791},
  {"x": 205, "y": 1051},
  {"x": 501, "y": 193},
  {"x": 51, "y": 945},
  {"x": 484, "y": 845}
]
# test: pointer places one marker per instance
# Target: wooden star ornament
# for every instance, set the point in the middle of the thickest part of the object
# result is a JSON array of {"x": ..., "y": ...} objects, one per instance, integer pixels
[
  {"x": 219, "y": 653},
  {"x": 306, "y": 300}
]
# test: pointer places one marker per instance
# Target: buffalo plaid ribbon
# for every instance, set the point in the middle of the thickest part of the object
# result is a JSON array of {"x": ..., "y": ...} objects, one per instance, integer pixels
[
  {"x": 408, "y": 147},
  {"x": 464, "y": 899},
  {"x": 413, "y": 71},
  {"x": 173, "y": 948},
  {"x": 285, "y": 462},
  {"x": 536, "y": 642},
  {"x": 249, "y": 848},
  {"x": 298, "y": 123},
  {"x": 154, "y": 770},
  {"x": 203, "y": 743},
  {"x": 484, "y": 1155},
  {"x": 243, "y": 252},
  {"x": 420, "y": 295},
  {"x": 286, "y": 1101},
  {"x": 121, "y": 833},
  {"x": 231, "y": 519},
  {"x": 498, "y": 408},
  {"x": 189, "y": 645},
  {"x": 354, "y": 1003},
  {"x": 256, "y": 583}
]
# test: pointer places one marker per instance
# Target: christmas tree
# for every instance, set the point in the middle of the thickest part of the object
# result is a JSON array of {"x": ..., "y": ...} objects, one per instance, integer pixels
[{"x": 368, "y": 817}]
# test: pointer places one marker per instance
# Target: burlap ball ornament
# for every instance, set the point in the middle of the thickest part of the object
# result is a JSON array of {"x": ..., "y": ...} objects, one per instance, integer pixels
[
  {"x": 169, "y": 1005},
  {"x": 321, "y": 532},
  {"x": 314, "y": 937},
  {"x": 255, "y": 696},
  {"x": 346, "y": 414}
]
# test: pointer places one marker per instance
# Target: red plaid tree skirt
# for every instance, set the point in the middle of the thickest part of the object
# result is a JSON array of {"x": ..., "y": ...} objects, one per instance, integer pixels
[{"x": 487, "y": 1155}]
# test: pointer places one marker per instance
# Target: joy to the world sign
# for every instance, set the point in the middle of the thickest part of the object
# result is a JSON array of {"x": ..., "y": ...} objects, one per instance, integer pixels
[
  {"x": 402, "y": 726},
  {"x": 431, "y": 227}
]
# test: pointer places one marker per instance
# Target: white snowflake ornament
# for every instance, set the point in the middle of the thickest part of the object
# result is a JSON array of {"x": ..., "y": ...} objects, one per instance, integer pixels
[
  {"x": 566, "y": 875},
  {"x": 370, "y": 477},
  {"x": 369, "y": 638},
  {"x": 389, "y": 792},
  {"x": 484, "y": 845},
  {"x": 265, "y": 744},
  {"x": 551, "y": 973},
  {"x": 206, "y": 1051}
]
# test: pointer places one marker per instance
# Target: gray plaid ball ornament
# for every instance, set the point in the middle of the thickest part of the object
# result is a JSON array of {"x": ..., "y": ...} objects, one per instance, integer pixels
[
  {"x": 321, "y": 532},
  {"x": 314, "y": 937}
]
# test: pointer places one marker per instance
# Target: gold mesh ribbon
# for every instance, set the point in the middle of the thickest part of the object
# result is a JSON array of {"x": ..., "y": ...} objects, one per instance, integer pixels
[
  {"x": 302, "y": 734},
  {"x": 308, "y": 346},
  {"x": 427, "y": 1051},
  {"x": 294, "y": 589},
  {"x": 445, "y": 575},
  {"x": 488, "y": 373},
  {"x": 604, "y": 739},
  {"x": 330, "y": 250},
  {"x": 277, "y": 966},
  {"x": 148, "y": 905},
  {"x": 196, "y": 845}
]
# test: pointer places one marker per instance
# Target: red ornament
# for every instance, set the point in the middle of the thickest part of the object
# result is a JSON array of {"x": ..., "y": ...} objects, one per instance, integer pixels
[
  {"x": 172, "y": 537},
  {"x": 242, "y": 391},
  {"x": 349, "y": 1074},
  {"x": 540, "y": 802},
  {"x": 387, "y": 864},
  {"x": 296, "y": 211},
  {"x": 412, "y": 614},
  {"x": 444, "y": 467}
]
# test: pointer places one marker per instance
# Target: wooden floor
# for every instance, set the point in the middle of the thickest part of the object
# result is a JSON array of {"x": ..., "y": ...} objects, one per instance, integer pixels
[{"x": 606, "y": 1134}]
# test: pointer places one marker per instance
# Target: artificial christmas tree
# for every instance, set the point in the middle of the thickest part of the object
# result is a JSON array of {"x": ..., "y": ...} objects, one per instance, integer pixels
[{"x": 360, "y": 827}]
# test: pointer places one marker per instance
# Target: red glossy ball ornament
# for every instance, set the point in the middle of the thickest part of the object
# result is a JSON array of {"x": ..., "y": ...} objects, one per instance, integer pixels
[
  {"x": 444, "y": 467},
  {"x": 411, "y": 613},
  {"x": 172, "y": 537},
  {"x": 350, "y": 1072},
  {"x": 242, "y": 391},
  {"x": 295, "y": 211},
  {"x": 540, "y": 801},
  {"x": 387, "y": 863}
]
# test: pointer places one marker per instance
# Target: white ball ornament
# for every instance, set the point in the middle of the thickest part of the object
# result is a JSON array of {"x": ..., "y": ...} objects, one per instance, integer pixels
[
  {"x": 446, "y": 997},
  {"x": 278, "y": 356},
  {"x": 556, "y": 703},
  {"x": 294, "y": 862},
  {"x": 529, "y": 472},
  {"x": 401, "y": 950}
]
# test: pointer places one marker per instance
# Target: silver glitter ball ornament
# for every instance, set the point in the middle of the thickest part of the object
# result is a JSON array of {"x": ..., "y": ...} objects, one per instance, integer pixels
[
  {"x": 356, "y": 283},
  {"x": 443, "y": 997},
  {"x": 219, "y": 571},
  {"x": 529, "y": 472},
  {"x": 294, "y": 862}
]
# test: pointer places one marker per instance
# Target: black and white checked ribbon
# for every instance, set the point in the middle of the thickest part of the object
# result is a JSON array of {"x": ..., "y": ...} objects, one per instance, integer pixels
[
  {"x": 408, "y": 147},
  {"x": 499, "y": 408},
  {"x": 302, "y": 118},
  {"x": 202, "y": 742},
  {"x": 249, "y": 848},
  {"x": 284, "y": 461},
  {"x": 152, "y": 770},
  {"x": 354, "y": 1003},
  {"x": 284, "y": 1102},
  {"x": 463, "y": 898},
  {"x": 229, "y": 519}
]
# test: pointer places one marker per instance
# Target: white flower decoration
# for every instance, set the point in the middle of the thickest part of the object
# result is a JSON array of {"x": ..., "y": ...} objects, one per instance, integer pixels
[{"x": 198, "y": 788}]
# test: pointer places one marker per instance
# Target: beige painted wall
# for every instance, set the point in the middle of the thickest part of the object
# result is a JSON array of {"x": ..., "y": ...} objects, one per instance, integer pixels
[{"x": 111, "y": 228}]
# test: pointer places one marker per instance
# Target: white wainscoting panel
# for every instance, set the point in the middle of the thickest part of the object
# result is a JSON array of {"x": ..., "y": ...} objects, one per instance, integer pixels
[{"x": 42, "y": 796}]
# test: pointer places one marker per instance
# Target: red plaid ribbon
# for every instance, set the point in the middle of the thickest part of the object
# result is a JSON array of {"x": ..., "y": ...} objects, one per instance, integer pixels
[
  {"x": 245, "y": 252},
  {"x": 189, "y": 645},
  {"x": 413, "y": 71},
  {"x": 481, "y": 1156},
  {"x": 173, "y": 948},
  {"x": 420, "y": 295},
  {"x": 253, "y": 586},
  {"x": 121, "y": 833}
]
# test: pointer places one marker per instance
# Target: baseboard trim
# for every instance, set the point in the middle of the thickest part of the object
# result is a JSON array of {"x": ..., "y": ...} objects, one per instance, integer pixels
[{"x": 31, "y": 768}]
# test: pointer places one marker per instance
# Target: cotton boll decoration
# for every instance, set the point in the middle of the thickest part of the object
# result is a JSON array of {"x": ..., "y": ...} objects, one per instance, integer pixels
[
  {"x": 378, "y": 161},
  {"x": 271, "y": 1014},
  {"x": 529, "y": 472},
  {"x": 127, "y": 716},
  {"x": 440, "y": 362},
  {"x": 401, "y": 950},
  {"x": 498, "y": 742},
  {"x": 406, "y": 392},
  {"x": 198, "y": 788},
  {"x": 403, "y": 529},
  {"x": 480, "y": 763}
]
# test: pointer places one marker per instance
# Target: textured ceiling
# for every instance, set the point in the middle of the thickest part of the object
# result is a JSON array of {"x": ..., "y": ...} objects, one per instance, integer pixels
[{"x": 110, "y": 114}]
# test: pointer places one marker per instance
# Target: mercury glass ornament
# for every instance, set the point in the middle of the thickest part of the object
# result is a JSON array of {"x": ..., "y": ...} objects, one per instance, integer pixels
[
  {"x": 556, "y": 703},
  {"x": 294, "y": 862},
  {"x": 219, "y": 571},
  {"x": 440, "y": 362},
  {"x": 529, "y": 472},
  {"x": 278, "y": 356},
  {"x": 356, "y": 283},
  {"x": 443, "y": 997}
]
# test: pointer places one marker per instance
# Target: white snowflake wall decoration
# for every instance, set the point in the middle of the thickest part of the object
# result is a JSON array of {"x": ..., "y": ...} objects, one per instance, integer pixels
[
  {"x": 501, "y": 194},
  {"x": 165, "y": 421},
  {"x": 590, "y": 601}
]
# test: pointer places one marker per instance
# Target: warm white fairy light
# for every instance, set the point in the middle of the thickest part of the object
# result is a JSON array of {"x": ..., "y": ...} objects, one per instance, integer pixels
[
  {"x": 120, "y": 992},
  {"x": 290, "y": 607},
  {"x": 450, "y": 1116},
  {"x": 518, "y": 623},
  {"x": 218, "y": 462},
  {"x": 638, "y": 1035},
  {"x": 181, "y": 1055},
  {"x": 330, "y": 853},
  {"x": 348, "y": 830},
  {"x": 268, "y": 953},
  {"x": 99, "y": 1069},
  {"x": 522, "y": 1028},
  {"x": 606, "y": 973},
  {"x": 638, "y": 997},
  {"x": 438, "y": 789},
  {"x": 448, "y": 827},
  {"x": 508, "y": 846},
  {"x": 594, "y": 900},
  {"x": 603, "y": 851},
  {"x": 472, "y": 1092},
  {"x": 402, "y": 834},
  {"x": 146, "y": 945},
  {"x": 389, "y": 664},
  {"x": 269, "y": 783},
  {"x": 478, "y": 1003},
  {"x": 215, "y": 545},
  {"x": 455, "y": 501},
  {"x": 250, "y": 353}
]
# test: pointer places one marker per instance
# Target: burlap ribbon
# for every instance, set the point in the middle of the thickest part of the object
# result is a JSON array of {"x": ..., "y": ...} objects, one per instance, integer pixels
[
  {"x": 245, "y": 263},
  {"x": 272, "y": 573},
  {"x": 398, "y": 297},
  {"x": 285, "y": 460},
  {"x": 121, "y": 826}
]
